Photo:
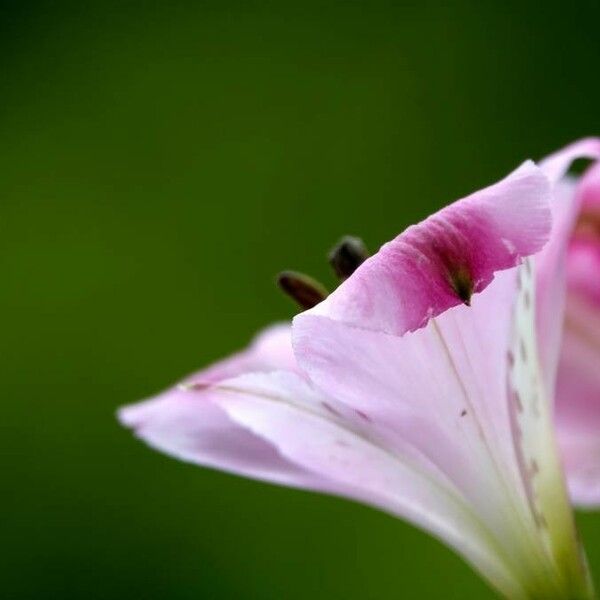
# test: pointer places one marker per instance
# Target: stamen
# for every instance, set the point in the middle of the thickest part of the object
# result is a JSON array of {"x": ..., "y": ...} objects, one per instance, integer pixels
[
  {"x": 347, "y": 255},
  {"x": 303, "y": 289}
]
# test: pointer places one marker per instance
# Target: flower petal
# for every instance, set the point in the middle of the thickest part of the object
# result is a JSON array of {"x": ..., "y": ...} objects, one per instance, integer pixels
[
  {"x": 536, "y": 447},
  {"x": 578, "y": 401},
  {"x": 442, "y": 391},
  {"x": 465, "y": 395},
  {"x": 270, "y": 350},
  {"x": 589, "y": 185},
  {"x": 556, "y": 165},
  {"x": 187, "y": 425},
  {"x": 422, "y": 384},
  {"x": 570, "y": 349},
  {"x": 550, "y": 263},
  {"x": 184, "y": 422},
  {"x": 583, "y": 267},
  {"x": 442, "y": 261},
  {"x": 285, "y": 410},
  {"x": 580, "y": 454}
]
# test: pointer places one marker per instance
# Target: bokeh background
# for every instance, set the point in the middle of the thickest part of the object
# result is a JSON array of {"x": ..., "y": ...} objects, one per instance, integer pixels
[{"x": 160, "y": 162}]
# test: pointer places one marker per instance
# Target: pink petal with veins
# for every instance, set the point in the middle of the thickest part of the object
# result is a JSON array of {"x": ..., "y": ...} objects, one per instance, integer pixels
[{"x": 443, "y": 260}]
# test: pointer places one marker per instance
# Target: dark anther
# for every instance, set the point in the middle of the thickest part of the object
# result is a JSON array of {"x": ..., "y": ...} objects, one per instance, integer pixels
[
  {"x": 462, "y": 284},
  {"x": 347, "y": 255},
  {"x": 303, "y": 289}
]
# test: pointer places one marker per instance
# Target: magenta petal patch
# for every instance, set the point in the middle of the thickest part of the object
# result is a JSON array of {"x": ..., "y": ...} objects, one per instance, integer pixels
[{"x": 440, "y": 262}]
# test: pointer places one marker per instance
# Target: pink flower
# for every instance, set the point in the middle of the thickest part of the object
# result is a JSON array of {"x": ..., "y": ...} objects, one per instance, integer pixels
[
  {"x": 421, "y": 386},
  {"x": 578, "y": 380}
]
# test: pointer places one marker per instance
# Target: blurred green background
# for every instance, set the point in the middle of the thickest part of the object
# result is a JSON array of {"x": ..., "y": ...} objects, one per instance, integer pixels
[{"x": 160, "y": 162}]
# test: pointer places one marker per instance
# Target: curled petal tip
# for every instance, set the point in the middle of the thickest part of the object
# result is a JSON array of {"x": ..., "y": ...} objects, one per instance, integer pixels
[{"x": 440, "y": 262}]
